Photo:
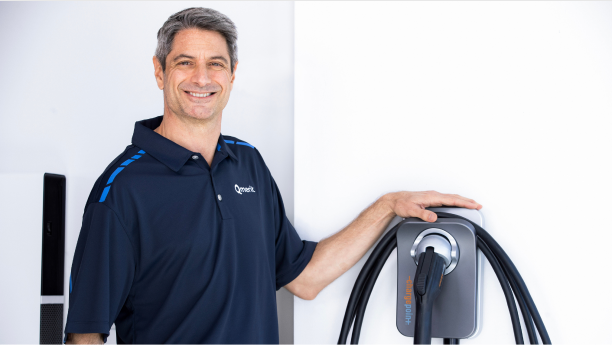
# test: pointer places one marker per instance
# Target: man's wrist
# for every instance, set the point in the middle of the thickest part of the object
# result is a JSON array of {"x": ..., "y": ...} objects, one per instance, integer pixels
[{"x": 387, "y": 202}]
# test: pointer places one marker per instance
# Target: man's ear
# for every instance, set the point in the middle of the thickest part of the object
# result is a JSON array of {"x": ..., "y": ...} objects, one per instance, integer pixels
[
  {"x": 159, "y": 73},
  {"x": 234, "y": 75}
]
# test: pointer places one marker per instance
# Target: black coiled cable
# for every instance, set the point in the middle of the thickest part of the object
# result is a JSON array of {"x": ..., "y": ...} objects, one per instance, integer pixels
[
  {"x": 363, "y": 276},
  {"x": 504, "y": 269}
]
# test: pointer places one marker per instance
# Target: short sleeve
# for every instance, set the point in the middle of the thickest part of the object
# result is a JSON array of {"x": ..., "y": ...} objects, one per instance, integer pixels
[
  {"x": 292, "y": 254},
  {"x": 102, "y": 272}
]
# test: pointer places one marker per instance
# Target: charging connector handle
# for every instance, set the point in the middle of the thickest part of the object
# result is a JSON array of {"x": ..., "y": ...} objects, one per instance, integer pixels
[{"x": 428, "y": 284}]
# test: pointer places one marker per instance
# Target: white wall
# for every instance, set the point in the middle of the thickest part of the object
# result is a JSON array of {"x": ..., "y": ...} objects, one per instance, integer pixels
[
  {"x": 74, "y": 77},
  {"x": 508, "y": 103}
]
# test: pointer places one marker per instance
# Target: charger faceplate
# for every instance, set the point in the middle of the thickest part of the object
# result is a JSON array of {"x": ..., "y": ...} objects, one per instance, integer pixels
[{"x": 457, "y": 311}]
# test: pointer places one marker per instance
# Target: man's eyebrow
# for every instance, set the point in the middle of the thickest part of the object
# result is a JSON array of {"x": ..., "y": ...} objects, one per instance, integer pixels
[
  {"x": 183, "y": 56},
  {"x": 219, "y": 58}
]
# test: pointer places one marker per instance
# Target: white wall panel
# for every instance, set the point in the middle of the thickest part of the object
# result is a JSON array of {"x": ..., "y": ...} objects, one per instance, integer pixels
[
  {"x": 20, "y": 255},
  {"x": 504, "y": 102}
]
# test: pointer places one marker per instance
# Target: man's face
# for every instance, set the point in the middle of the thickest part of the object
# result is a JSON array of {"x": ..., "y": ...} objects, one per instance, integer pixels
[{"x": 197, "y": 81}]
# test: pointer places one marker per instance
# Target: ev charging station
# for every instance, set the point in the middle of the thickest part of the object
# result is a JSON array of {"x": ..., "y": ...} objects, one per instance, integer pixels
[{"x": 439, "y": 281}]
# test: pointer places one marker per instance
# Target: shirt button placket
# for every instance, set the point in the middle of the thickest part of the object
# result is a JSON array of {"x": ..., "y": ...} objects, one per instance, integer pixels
[{"x": 222, "y": 207}]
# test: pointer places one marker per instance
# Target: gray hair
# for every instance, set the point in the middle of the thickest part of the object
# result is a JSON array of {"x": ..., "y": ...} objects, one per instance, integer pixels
[{"x": 199, "y": 18}]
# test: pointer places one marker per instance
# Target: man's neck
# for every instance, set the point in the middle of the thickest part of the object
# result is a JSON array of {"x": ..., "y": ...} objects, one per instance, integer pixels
[{"x": 194, "y": 135}]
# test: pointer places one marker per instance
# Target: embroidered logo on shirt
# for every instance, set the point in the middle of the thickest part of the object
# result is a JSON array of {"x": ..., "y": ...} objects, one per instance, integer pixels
[{"x": 241, "y": 190}]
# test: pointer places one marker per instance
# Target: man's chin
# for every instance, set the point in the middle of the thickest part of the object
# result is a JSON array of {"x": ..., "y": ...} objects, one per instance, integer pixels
[
  {"x": 194, "y": 114},
  {"x": 199, "y": 116}
]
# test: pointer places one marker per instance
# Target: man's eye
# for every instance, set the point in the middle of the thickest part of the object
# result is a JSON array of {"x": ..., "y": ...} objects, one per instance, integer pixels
[
  {"x": 183, "y": 62},
  {"x": 217, "y": 65}
]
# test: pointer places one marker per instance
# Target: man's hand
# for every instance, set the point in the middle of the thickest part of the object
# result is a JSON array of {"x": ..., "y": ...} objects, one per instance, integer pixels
[
  {"x": 413, "y": 204},
  {"x": 338, "y": 253},
  {"x": 84, "y": 338}
]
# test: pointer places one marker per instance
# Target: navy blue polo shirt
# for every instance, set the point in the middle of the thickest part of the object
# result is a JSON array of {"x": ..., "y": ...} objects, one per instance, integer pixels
[{"x": 173, "y": 250}]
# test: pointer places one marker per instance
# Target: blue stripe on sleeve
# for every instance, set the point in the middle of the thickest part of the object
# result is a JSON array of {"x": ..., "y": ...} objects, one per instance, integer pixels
[
  {"x": 105, "y": 193},
  {"x": 136, "y": 157},
  {"x": 229, "y": 141},
  {"x": 127, "y": 162},
  {"x": 218, "y": 147},
  {"x": 245, "y": 144},
  {"x": 114, "y": 174},
  {"x": 141, "y": 152}
]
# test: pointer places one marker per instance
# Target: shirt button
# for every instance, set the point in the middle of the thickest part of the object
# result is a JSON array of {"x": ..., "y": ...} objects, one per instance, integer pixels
[
  {"x": 194, "y": 157},
  {"x": 219, "y": 197}
]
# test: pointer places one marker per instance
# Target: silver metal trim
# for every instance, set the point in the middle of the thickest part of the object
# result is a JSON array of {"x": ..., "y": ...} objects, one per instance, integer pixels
[
  {"x": 440, "y": 245},
  {"x": 451, "y": 239},
  {"x": 52, "y": 299}
]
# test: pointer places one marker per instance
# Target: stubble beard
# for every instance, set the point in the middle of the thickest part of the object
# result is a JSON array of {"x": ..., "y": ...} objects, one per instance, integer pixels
[{"x": 180, "y": 108}]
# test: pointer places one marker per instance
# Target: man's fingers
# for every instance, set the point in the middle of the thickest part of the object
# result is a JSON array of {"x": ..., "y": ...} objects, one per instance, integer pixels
[
  {"x": 422, "y": 213},
  {"x": 461, "y": 201},
  {"x": 453, "y": 200},
  {"x": 469, "y": 201},
  {"x": 413, "y": 204}
]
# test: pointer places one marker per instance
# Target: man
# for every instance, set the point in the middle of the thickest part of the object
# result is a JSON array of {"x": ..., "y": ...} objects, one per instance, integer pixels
[{"x": 184, "y": 236}]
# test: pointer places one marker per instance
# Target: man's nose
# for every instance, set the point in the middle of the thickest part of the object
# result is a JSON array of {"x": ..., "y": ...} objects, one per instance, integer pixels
[{"x": 201, "y": 75}]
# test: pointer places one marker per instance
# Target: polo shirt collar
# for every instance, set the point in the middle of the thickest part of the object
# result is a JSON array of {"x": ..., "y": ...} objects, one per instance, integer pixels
[
  {"x": 223, "y": 147},
  {"x": 171, "y": 154}
]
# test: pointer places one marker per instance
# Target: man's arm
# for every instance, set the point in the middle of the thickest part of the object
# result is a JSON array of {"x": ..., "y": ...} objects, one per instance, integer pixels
[
  {"x": 338, "y": 253},
  {"x": 86, "y": 338}
]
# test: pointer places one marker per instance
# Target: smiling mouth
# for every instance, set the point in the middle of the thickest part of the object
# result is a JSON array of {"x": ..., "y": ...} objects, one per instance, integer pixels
[{"x": 200, "y": 95}]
